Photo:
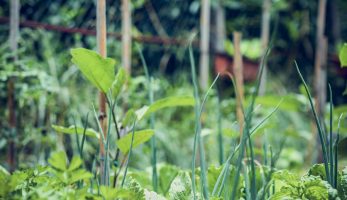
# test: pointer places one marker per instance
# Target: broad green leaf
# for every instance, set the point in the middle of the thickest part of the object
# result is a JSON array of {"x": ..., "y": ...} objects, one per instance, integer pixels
[
  {"x": 137, "y": 191},
  {"x": 128, "y": 118},
  {"x": 140, "y": 113},
  {"x": 306, "y": 187},
  {"x": 165, "y": 103},
  {"x": 171, "y": 102},
  {"x": 181, "y": 187},
  {"x": 287, "y": 177},
  {"x": 75, "y": 163},
  {"x": 98, "y": 70},
  {"x": 58, "y": 160},
  {"x": 118, "y": 82},
  {"x": 110, "y": 193},
  {"x": 343, "y": 55},
  {"x": 142, "y": 177},
  {"x": 316, "y": 188},
  {"x": 290, "y": 102},
  {"x": 79, "y": 174},
  {"x": 139, "y": 138},
  {"x": 4, "y": 179},
  {"x": 73, "y": 130},
  {"x": 317, "y": 170},
  {"x": 167, "y": 174},
  {"x": 283, "y": 194}
]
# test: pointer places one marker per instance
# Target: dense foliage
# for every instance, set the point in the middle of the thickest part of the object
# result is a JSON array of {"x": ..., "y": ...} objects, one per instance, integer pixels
[{"x": 165, "y": 138}]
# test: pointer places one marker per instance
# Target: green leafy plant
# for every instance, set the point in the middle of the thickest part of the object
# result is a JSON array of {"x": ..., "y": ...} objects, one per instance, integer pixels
[
  {"x": 306, "y": 187},
  {"x": 68, "y": 172}
]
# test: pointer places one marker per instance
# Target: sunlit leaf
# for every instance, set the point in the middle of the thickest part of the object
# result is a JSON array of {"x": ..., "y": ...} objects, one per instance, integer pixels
[
  {"x": 139, "y": 138},
  {"x": 165, "y": 103},
  {"x": 73, "y": 130},
  {"x": 75, "y": 163},
  {"x": 140, "y": 113},
  {"x": 118, "y": 82},
  {"x": 80, "y": 174},
  {"x": 58, "y": 160},
  {"x": 167, "y": 174},
  {"x": 343, "y": 55},
  {"x": 128, "y": 118},
  {"x": 110, "y": 193},
  {"x": 98, "y": 70}
]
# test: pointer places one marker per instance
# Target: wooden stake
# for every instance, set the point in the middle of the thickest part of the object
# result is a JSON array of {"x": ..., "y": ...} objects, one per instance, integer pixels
[
  {"x": 319, "y": 75},
  {"x": 238, "y": 73},
  {"x": 101, "y": 42},
  {"x": 265, "y": 34},
  {"x": 220, "y": 28},
  {"x": 320, "y": 60},
  {"x": 204, "y": 43},
  {"x": 126, "y": 35},
  {"x": 13, "y": 40}
]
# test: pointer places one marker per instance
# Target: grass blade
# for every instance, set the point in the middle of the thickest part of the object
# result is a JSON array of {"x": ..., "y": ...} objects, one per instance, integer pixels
[
  {"x": 319, "y": 126},
  {"x": 246, "y": 130},
  {"x": 197, "y": 137},
  {"x": 197, "y": 105},
  {"x": 220, "y": 134},
  {"x": 84, "y": 135},
  {"x": 129, "y": 155},
  {"x": 152, "y": 121},
  {"x": 331, "y": 157}
]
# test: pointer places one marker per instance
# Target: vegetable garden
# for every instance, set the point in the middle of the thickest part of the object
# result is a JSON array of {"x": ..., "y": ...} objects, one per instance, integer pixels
[{"x": 141, "y": 100}]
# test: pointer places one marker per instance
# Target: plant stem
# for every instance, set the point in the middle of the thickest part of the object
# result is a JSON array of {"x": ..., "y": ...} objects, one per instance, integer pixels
[
  {"x": 319, "y": 126},
  {"x": 101, "y": 42},
  {"x": 129, "y": 155}
]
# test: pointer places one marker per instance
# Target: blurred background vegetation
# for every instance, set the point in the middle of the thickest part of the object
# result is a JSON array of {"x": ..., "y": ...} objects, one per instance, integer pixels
[{"x": 49, "y": 90}]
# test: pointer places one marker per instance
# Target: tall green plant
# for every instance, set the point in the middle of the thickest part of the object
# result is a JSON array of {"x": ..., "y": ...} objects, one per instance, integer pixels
[
  {"x": 152, "y": 122},
  {"x": 329, "y": 157}
]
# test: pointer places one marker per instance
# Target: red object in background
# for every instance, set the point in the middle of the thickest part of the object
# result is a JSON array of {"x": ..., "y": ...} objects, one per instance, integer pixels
[{"x": 224, "y": 64}]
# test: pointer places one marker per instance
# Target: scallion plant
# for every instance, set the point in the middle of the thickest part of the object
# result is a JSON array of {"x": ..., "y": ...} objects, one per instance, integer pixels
[{"x": 329, "y": 148}]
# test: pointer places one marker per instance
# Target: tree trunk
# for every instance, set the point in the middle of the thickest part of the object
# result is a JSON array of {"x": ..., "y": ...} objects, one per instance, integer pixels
[
  {"x": 265, "y": 34},
  {"x": 320, "y": 60},
  {"x": 319, "y": 74},
  {"x": 101, "y": 42},
  {"x": 126, "y": 35},
  {"x": 220, "y": 28},
  {"x": 204, "y": 43},
  {"x": 13, "y": 40}
]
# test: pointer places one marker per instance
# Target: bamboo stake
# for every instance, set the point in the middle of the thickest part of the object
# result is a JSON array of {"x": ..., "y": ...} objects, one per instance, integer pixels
[
  {"x": 13, "y": 40},
  {"x": 219, "y": 47},
  {"x": 320, "y": 60},
  {"x": 204, "y": 43},
  {"x": 101, "y": 42},
  {"x": 319, "y": 73},
  {"x": 126, "y": 35},
  {"x": 238, "y": 73},
  {"x": 220, "y": 28},
  {"x": 265, "y": 34}
]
